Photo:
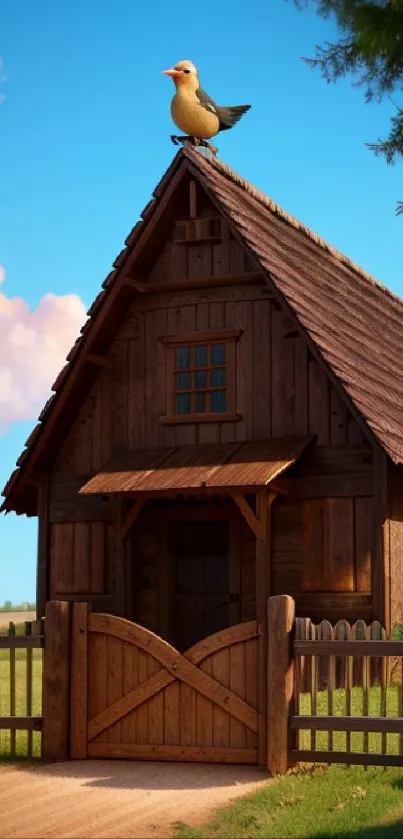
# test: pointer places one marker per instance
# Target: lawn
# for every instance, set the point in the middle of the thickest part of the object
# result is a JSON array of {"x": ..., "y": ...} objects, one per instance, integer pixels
[
  {"x": 314, "y": 804},
  {"x": 19, "y": 748}
]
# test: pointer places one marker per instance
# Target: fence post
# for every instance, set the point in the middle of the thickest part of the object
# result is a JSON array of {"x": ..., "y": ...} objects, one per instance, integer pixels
[
  {"x": 280, "y": 622},
  {"x": 56, "y": 681},
  {"x": 79, "y": 680}
]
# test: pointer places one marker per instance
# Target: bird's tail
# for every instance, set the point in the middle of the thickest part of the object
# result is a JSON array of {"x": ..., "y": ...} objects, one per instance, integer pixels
[{"x": 229, "y": 116}]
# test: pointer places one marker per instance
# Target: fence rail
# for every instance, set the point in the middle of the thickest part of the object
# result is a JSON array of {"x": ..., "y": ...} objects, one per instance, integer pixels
[{"x": 21, "y": 667}]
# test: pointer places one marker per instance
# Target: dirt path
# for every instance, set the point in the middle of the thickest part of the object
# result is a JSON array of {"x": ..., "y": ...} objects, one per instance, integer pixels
[{"x": 108, "y": 799}]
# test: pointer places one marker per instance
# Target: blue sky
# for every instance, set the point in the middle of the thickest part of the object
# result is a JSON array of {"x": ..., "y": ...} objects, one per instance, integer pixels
[{"x": 84, "y": 138}]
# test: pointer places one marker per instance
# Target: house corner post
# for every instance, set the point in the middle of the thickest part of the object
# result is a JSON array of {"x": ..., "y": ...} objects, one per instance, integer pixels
[
  {"x": 56, "y": 682},
  {"x": 280, "y": 679}
]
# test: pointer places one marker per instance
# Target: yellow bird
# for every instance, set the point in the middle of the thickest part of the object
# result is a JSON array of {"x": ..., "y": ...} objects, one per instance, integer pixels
[{"x": 194, "y": 112}]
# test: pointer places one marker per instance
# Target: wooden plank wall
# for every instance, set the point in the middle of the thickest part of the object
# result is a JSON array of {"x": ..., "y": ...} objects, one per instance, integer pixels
[
  {"x": 280, "y": 389},
  {"x": 80, "y": 554},
  {"x": 126, "y": 403}
]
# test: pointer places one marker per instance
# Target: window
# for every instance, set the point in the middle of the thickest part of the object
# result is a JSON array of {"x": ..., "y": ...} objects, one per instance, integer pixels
[{"x": 201, "y": 377}]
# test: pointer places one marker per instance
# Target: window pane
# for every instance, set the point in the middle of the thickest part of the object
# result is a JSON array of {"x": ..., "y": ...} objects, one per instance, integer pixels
[
  {"x": 218, "y": 401},
  {"x": 201, "y": 379},
  {"x": 217, "y": 354},
  {"x": 201, "y": 356},
  {"x": 200, "y": 403},
  {"x": 182, "y": 358},
  {"x": 182, "y": 381},
  {"x": 218, "y": 377},
  {"x": 182, "y": 403}
]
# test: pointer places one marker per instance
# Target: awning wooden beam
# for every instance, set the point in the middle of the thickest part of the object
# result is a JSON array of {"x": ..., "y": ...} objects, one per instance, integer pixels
[
  {"x": 256, "y": 521},
  {"x": 131, "y": 516}
]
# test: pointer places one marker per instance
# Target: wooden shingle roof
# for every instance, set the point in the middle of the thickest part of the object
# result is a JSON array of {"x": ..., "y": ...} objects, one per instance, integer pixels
[{"x": 354, "y": 321}]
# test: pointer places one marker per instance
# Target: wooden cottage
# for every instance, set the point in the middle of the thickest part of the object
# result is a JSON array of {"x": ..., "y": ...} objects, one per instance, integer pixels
[{"x": 228, "y": 425}]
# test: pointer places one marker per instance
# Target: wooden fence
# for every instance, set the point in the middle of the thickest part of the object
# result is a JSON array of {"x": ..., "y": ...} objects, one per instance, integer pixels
[
  {"x": 21, "y": 669},
  {"x": 334, "y": 693},
  {"x": 347, "y": 702}
]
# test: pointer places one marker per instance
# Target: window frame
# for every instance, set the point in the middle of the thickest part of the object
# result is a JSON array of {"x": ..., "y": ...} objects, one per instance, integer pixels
[{"x": 229, "y": 337}]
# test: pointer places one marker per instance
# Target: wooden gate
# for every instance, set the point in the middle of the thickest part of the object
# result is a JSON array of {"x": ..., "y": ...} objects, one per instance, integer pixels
[{"x": 135, "y": 696}]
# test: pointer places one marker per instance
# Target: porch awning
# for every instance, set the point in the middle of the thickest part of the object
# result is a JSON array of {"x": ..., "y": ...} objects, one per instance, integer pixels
[{"x": 231, "y": 465}]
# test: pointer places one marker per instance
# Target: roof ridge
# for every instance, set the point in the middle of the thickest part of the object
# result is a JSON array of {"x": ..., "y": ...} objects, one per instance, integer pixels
[{"x": 275, "y": 208}]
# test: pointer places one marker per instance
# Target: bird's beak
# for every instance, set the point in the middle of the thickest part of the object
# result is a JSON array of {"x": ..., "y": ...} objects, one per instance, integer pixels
[{"x": 173, "y": 73}]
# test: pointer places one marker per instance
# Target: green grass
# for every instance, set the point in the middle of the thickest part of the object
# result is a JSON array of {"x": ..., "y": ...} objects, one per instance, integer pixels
[
  {"x": 21, "y": 737},
  {"x": 358, "y": 741},
  {"x": 332, "y": 803}
]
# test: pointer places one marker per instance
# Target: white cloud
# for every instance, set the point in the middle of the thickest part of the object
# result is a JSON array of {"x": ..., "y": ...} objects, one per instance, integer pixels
[{"x": 33, "y": 348}]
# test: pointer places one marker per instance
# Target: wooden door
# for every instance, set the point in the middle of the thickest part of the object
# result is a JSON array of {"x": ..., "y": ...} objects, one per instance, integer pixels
[
  {"x": 143, "y": 699},
  {"x": 199, "y": 562}
]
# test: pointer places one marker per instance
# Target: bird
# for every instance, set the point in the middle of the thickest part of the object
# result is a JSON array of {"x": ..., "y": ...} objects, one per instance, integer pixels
[{"x": 193, "y": 110}]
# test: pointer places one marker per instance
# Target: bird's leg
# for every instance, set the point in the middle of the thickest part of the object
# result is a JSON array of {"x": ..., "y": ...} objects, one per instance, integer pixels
[
  {"x": 182, "y": 139},
  {"x": 194, "y": 141},
  {"x": 210, "y": 147}
]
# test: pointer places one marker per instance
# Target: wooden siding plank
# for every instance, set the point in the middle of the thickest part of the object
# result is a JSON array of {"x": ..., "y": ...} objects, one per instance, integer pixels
[
  {"x": 261, "y": 395},
  {"x": 186, "y": 324},
  {"x": 300, "y": 385},
  {"x": 312, "y": 545},
  {"x": 319, "y": 402},
  {"x": 338, "y": 566},
  {"x": 119, "y": 395},
  {"x": 238, "y": 315},
  {"x": 97, "y": 560},
  {"x": 338, "y": 419},
  {"x": 82, "y": 554},
  {"x": 363, "y": 543},
  {"x": 136, "y": 387},
  {"x": 248, "y": 563},
  {"x": 44, "y": 562},
  {"x": 282, "y": 376},
  {"x": 105, "y": 396},
  {"x": 155, "y": 384},
  {"x": 62, "y": 559}
]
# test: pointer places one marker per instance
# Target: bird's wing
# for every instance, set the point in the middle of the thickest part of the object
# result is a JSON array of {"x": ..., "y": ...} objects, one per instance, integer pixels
[
  {"x": 206, "y": 101},
  {"x": 229, "y": 116}
]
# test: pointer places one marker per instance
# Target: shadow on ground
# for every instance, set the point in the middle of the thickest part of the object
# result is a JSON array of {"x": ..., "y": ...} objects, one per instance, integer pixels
[{"x": 144, "y": 775}]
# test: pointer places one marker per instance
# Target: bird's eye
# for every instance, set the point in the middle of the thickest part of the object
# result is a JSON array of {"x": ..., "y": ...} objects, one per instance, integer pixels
[{"x": 186, "y": 71}]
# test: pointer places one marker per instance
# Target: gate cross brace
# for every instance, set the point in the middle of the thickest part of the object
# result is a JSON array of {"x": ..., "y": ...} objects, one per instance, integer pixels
[
  {"x": 185, "y": 671},
  {"x": 256, "y": 521}
]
